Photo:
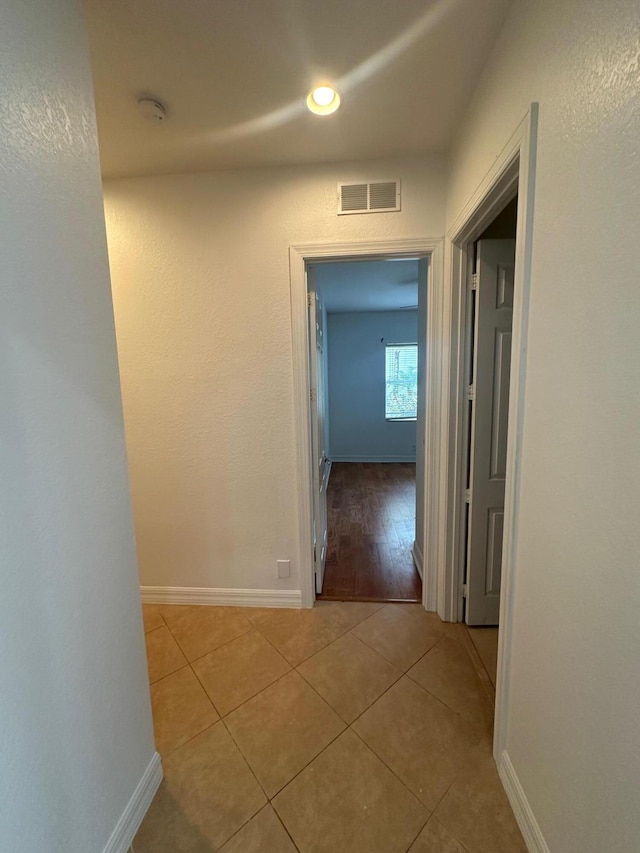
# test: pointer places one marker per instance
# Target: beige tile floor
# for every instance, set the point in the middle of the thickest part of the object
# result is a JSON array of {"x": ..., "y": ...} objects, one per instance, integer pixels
[{"x": 350, "y": 728}]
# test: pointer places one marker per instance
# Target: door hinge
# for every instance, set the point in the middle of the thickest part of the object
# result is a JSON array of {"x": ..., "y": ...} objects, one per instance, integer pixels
[
  {"x": 312, "y": 394},
  {"x": 309, "y": 300},
  {"x": 465, "y": 590},
  {"x": 467, "y": 496},
  {"x": 474, "y": 281},
  {"x": 471, "y": 392}
]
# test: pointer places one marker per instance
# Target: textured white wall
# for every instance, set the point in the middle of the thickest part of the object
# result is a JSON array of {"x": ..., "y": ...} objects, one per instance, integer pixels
[
  {"x": 200, "y": 278},
  {"x": 573, "y": 734},
  {"x": 75, "y": 723}
]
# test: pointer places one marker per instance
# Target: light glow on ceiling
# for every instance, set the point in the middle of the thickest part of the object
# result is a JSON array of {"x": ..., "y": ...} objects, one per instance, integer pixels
[
  {"x": 323, "y": 100},
  {"x": 362, "y": 73}
]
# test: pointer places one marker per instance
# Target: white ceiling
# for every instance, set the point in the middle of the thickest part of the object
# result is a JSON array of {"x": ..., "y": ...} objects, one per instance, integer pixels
[
  {"x": 348, "y": 286},
  {"x": 234, "y": 75}
]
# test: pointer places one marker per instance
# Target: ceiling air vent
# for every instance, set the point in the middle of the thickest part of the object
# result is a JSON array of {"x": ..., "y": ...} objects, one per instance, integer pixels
[{"x": 375, "y": 197}]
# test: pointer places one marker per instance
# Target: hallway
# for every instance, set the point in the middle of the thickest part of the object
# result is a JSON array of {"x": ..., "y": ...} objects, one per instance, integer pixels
[
  {"x": 350, "y": 727},
  {"x": 371, "y": 521}
]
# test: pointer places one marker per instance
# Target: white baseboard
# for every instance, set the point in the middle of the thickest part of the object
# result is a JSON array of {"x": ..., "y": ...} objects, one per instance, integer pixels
[
  {"x": 531, "y": 832},
  {"x": 133, "y": 815},
  {"x": 418, "y": 559},
  {"x": 411, "y": 458},
  {"x": 219, "y": 597}
]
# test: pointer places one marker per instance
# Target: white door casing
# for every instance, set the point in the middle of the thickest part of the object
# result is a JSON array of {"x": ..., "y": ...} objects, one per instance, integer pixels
[
  {"x": 317, "y": 402},
  {"x": 491, "y": 365},
  {"x": 301, "y": 258},
  {"x": 513, "y": 171},
  {"x": 422, "y": 523}
]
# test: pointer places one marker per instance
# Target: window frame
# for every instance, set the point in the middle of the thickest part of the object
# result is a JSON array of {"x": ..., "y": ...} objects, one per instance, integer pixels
[{"x": 403, "y": 418}]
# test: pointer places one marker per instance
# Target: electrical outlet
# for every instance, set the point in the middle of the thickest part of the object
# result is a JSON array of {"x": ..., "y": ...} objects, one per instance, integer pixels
[{"x": 284, "y": 568}]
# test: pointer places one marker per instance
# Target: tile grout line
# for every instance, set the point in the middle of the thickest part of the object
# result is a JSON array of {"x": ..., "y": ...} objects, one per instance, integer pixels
[
  {"x": 284, "y": 826},
  {"x": 395, "y": 775},
  {"x": 346, "y": 725},
  {"x": 311, "y": 760},
  {"x": 246, "y": 761},
  {"x": 261, "y": 809},
  {"x": 255, "y": 695},
  {"x": 167, "y": 753},
  {"x": 226, "y": 642},
  {"x": 320, "y": 696},
  {"x": 442, "y": 702},
  {"x": 466, "y": 643},
  {"x": 475, "y": 746},
  {"x": 465, "y": 849},
  {"x": 413, "y": 841},
  {"x": 206, "y": 692},
  {"x": 478, "y": 663},
  {"x": 275, "y": 648},
  {"x": 255, "y": 627},
  {"x": 393, "y": 663},
  {"x": 431, "y": 812},
  {"x": 322, "y": 648}
]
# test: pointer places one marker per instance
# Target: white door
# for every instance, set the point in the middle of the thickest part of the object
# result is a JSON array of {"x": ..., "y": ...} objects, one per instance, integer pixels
[
  {"x": 488, "y": 439},
  {"x": 320, "y": 462}
]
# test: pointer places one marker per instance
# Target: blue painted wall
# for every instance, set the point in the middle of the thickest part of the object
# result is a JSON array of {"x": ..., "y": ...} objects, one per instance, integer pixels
[{"x": 357, "y": 426}]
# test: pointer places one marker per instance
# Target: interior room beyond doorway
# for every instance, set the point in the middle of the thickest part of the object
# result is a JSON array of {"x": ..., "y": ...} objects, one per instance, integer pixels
[
  {"x": 365, "y": 315},
  {"x": 371, "y": 520}
]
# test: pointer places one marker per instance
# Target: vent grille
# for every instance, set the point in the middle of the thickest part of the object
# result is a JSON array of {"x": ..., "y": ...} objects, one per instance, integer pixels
[
  {"x": 374, "y": 197},
  {"x": 382, "y": 196},
  {"x": 354, "y": 197}
]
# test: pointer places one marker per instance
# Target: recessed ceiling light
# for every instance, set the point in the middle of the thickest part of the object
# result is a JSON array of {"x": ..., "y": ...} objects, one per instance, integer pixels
[{"x": 323, "y": 100}]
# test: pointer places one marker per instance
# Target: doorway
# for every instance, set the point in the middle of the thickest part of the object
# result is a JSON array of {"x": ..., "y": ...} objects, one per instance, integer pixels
[
  {"x": 302, "y": 257},
  {"x": 490, "y": 296},
  {"x": 512, "y": 176},
  {"x": 365, "y": 353}
]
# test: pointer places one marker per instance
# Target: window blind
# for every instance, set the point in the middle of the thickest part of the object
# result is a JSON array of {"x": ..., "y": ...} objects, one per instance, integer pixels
[{"x": 401, "y": 381}]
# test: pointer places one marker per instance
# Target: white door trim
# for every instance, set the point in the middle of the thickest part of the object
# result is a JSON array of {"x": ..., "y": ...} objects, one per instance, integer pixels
[
  {"x": 299, "y": 255},
  {"x": 513, "y": 170}
]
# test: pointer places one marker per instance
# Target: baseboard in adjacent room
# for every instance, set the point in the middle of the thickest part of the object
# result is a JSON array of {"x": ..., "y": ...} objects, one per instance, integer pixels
[
  {"x": 531, "y": 832},
  {"x": 221, "y": 597},
  {"x": 418, "y": 560},
  {"x": 133, "y": 815},
  {"x": 373, "y": 458}
]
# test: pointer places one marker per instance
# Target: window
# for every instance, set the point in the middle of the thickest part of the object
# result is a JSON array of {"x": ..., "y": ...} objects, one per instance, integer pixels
[{"x": 401, "y": 382}]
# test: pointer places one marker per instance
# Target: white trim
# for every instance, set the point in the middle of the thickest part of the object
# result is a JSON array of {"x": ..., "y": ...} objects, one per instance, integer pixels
[
  {"x": 329, "y": 464},
  {"x": 411, "y": 458},
  {"x": 418, "y": 560},
  {"x": 299, "y": 255},
  {"x": 436, "y": 427},
  {"x": 522, "y": 811},
  {"x": 221, "y": 597},
  {"x": 513, "y": 169},
  {"x": 135, "y": 810}
]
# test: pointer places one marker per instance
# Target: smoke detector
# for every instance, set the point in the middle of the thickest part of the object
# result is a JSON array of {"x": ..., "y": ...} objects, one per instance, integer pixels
[{"x": 152, "y": 109}]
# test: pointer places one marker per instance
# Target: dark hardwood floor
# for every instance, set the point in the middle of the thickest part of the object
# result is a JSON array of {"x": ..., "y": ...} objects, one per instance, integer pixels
[{"x": 371, "y": 511}]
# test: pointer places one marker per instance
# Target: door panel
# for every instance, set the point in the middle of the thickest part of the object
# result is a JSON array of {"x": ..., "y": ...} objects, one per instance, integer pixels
[
  {"x": 494, "y": 551},
  {"x": 500, "y": 414},
  {"x": 488, "y": 445},
  {"x": 321, "y": 465}
]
